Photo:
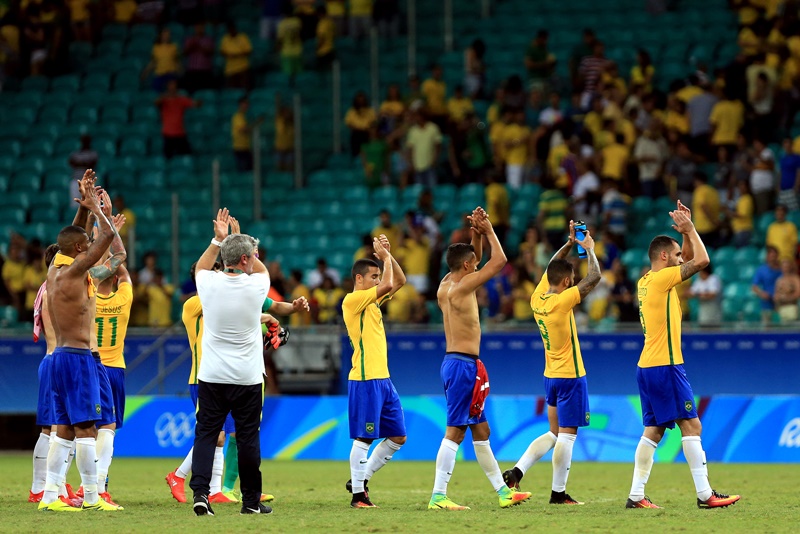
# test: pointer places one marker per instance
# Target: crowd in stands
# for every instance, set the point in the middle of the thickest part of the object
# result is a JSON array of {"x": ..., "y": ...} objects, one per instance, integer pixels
[{"x": 723, "y": 141}]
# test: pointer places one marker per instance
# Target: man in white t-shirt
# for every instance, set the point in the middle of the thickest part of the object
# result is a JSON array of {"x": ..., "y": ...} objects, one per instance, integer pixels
[
  {"x": 650, "y": 153},
  {"x": 586, "y": 192},
  {"x": 762, "y": 177},
  {"x": 231, "y": 374}
]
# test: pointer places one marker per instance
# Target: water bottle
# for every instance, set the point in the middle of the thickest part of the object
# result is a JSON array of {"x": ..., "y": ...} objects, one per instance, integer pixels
[{"x": 580, "y": 233}]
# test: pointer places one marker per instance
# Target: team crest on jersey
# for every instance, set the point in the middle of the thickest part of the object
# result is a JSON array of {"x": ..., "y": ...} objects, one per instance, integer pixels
[
  {"x": 587, "y": 417},
  {"x": 370, "y": 428},
  {"x": 97, "y": 409},
  {"x": 688, "y": 406}
]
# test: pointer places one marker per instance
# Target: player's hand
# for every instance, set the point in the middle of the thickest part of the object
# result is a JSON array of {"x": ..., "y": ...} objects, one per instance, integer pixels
[
  {"x": 684, "y": 209},
  {"x": 380, "y": 251},
  {"x": 89, "y": 198},
  {"x": 105, "y": 201},
  {"x": 300, "y": 304},
  {"x": 85, "y": 183},
  {"x": 587, "y": 242},
  {"x": 235, "y": 228},
  {"x": 385, "y": 242},
  {"x": 683, "y": 223},
  {"x": 118, "y": 221},
  {"x": 571, "y": 239},
  {"x": 221, "y": 224}
]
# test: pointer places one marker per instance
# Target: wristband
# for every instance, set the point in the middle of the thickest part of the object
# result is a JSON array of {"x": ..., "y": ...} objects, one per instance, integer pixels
[{"x": 215, "y": 242}]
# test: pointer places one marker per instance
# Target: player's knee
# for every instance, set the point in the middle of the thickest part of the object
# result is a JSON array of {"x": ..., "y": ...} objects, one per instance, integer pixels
[
  {"x": 221, "y": 439},
  {"x": 400, "y": 440}
]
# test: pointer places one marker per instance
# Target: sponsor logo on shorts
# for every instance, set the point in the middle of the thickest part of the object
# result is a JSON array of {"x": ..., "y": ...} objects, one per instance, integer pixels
[
  {"x": 97, "y": 409},
  {"x": 688, "y": 406},
  {"x": 587, "y": 417},
  {"x": 790, "y": 437},
  {"x": 370, "y": 428},
  {"x": 174, "y": 430}
]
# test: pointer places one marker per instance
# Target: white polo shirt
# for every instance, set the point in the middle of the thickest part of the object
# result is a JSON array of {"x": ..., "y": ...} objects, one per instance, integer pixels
[{"x": 232, "y": 343}]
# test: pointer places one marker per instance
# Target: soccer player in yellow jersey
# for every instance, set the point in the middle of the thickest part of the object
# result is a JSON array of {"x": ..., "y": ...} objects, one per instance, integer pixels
[
  {"x": 565, "y": 387},
  {"x": 374, "y": 405},
  {"x": 113, "y": 311},
  {"x": 664, "y": 390}
]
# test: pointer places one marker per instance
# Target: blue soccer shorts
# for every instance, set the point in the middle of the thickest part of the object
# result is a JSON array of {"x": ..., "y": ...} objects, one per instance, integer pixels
[
  {"x": 76, "y": 387},
  {"x": 108, "y": 410},
  {"x": 116, "y": 378},
  {"x": 570, "y": 397},
  {"x": 374, "y": 409},
  {"x": 665, "y": 394},
  {"x": 458, "y": 373},
  {"x": 44, "y": 406}
]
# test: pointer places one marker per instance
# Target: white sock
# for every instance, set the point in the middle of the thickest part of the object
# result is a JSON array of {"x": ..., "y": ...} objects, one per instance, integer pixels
[
  {"x": 642, "y": 466},
  {"x": 485, "y": 456},
  {"x": 538, "y": 448},
  {"x": 57, "y": 460},
  {"x": 86, "y": 457},
  {"x": 696, "y": 458},
  {"x": 40, "y": 452},
  {"x": 105, "y": 452},
  {"x": 62, "y": 488},
  {"x": 382, "y": 453},
  {"x": 186, "y": 466},
  {"x": 562, "y": 460},
  {"x": 358, "y": 465},
  {"x": 215, "y": 485},
  {"x": 445, "y": 463}
]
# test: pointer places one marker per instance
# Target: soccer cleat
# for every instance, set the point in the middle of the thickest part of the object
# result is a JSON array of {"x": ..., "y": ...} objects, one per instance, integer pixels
[
  {"x": 511, "y": 479},
  {"x": 220, "y": 498},
  {"x": 349, "y": 486},
  {"x": 107, "y": 497},
  {"x": 267, "y": 497},
  {"x": 201, "y": 505},
  {"x": 361, "y": 500},
  {"x": 644, "y": 503},
  {"x": 439, "y": 501},
  {"x": 176, "y": 486},
  {"x": 561, "y": 497},
  {"x": 718, "y": 500},
  {"x": 101, "y": 506},
  {"x": 233, "y": 495},
  {"x": 59, "y": 505},
  {"x": 509, "y": 497},
  {"x": 35, "y": 497},
  {"x": 73, "y": 494},
  {"x": 260, "y": 509}
]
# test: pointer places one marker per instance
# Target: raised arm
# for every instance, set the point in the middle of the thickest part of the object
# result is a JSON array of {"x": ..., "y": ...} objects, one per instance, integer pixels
[
  {"x": 288, "y": 308},
  {"x": 563, "y": 252},
  {"x": 117, "y": 252},
  {"x": 206, "y": 261},
  {"x": 478, "y": 214},
  {"x": 687, "y": 248},
  {"x": 700, "y": 260},
  {"x": 387, "y": 280},
  {"x": 592, "y": 277},
  {"x": 82, "y": 215},
  {"x": 399, "y": 277},
  {"x": 473, "y": 281},
  {"x": 105, "y": 231}
]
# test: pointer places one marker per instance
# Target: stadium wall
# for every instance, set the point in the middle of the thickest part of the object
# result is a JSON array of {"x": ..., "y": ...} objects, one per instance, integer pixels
[{"x": 735, "y": 428}]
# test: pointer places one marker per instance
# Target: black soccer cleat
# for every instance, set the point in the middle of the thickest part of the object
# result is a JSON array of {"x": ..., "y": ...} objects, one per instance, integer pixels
[
  {"x": 512, "y": 478},
  {"x": 259, "y": 509},
  {"x": 361, "y": 500},
  {"x": 562, "y": 497},
  {"x": 349, "y": 486},
  {"x": 201, "y": 505}
]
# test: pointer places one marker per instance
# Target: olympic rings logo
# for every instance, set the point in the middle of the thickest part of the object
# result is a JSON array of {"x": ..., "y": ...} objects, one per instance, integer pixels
[{"x": 173, "y": 430}]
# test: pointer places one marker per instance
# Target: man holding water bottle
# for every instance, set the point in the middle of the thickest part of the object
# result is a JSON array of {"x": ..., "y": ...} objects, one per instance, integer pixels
[{"x": 566, "y": 393}]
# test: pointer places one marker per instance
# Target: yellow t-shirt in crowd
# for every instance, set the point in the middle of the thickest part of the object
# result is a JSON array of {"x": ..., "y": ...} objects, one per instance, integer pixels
[
  {"x": 705, "y": 194},
  {"x": 240, "y": 136},
  {"x": 748, "y": 42},
  {"x": 78, "y": 10},
  {"x": 284, "y": 134},
  {"x": 361, "y": 8},
  {"x": 458, "y": 108},
  {"x": 327, "y": 301},
  {"x": 237, "y": 53},
  {"x": 298, "y": 319},
  {"x": 192, "y": 318},
  {"x": 522, "y": 308},
  {"x": 677, "y": 121},
  {"x": 615, "y": 159},
  {"x": 660, "y": 315},
  {"x": 496, "y": 138},
  {"x": 393, "y": 233},
  {"x": 415, "y": 256},
  {"x": 498, "y": 204},
  {"x": 553, "y": 315},
  {"x": 593, "y": 122},
  {"x": 399, "y": 309},
  {"x": 364, "y": 321},
  {"x": 113, "y": 312},
  {"x": 335, "y": 8},
  {"x": 435, "y": 92},
  {"x": 289, "y": 30},
  {"x": 638, "y": 76},
  {"x": 165, "y": 58},
  {"x": 783, "y": 236},
  {"x": 326, "y": 34},
  {"x": 360, "y": 119},
  {"x": 159, "y": 305},
  {"x": 124, "y": 10},
  {"x": 744, "y": 209},
  {"x": 14, "y": 275},
  {"x": 519, "y": 134},
  {"x": 687, "y": 93},
  {"x": 33, "y": 278},
  {"x": 393, "y": 108},
  {"x": 727, "y": 117}
]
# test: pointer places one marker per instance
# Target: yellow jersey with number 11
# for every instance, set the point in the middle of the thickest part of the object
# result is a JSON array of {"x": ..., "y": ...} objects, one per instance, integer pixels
[
  {"x": 113, "y": 312},
  {"x": 553, "y": 315}
]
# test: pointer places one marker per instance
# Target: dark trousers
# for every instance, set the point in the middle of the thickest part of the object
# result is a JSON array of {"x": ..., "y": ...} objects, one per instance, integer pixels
[
  {"x": 176, "y": 146},
  {"x": 214, "y": 402}
]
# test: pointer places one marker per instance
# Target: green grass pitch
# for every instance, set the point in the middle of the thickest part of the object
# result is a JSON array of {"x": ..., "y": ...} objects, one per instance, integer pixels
[{"x": 310, "y": 496}]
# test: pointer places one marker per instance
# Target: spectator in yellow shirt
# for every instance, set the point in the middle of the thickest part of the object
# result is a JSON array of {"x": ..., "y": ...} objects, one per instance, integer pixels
[
  {"x": 337, "y": 10},
  {"x": 326, "y": 40},
  {"x": 164, "y": 63},
  {"x": 80, "y": 19},
  {"x": 34, "y": 274},
  {"x": 359, "y": 119},
  {"x": 392, "y": 231},
  {"x": 124, "y": 11},
  {"x": 415, "y": 256},
  {"x": 159, "y": 301},
  {"x": 614, "y": 159},
  {"x": 706, "y": 210},
  {"x": 459, "y": 106},
  {"x": 298, "y": 289},
  {"x": 742, "y": 216},
  {"x": 516, "y": 140},
  {"x": 130, "y": 219},
  {"x": 390, "y": 114},
  {"x": 435, "y": 92},
  {"x": 642, "y": 73},
  {"x": 498, "y": 206},
  {"x": 284, "y": 136},
  {"x": 14, "y": 274},
  {"x": 676, "y": 118},
  {"x": 593, "y": 121},
  {"x": 403, "y": 308},
  {"x": 727, "y": 119},
  {"x": 782, "y": 235},
  {"x": 241, "y": 136},
  {"x": 522, "y": 288},
  {"x": 360, "y": 18},
  {"x": 326, "y": 298},
  {"x": 236, "y": 48}
]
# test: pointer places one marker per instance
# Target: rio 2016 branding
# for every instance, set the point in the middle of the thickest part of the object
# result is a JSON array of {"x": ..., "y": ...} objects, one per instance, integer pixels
[
  {"x": 790, "y": 437},
  {"x": 174, "y": 430}
]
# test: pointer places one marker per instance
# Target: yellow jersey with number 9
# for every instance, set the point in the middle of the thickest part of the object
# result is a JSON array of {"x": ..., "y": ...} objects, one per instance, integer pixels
[
  {"x": 553, "y": 315},
  {"x": 660, "y": 315},
  {"x": 113, "y": 312}
]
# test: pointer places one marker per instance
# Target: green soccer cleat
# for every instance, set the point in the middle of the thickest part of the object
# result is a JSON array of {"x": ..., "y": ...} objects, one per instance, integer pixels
[
  {"x": 57, "y": 506},
  {"x": 101, "y": 506},
  {"x": 267, "y": 497},
  {"x": 232, "y": 495},
  {"x": 439, "y": 501},
  {"x": 509, "y": 497}
]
